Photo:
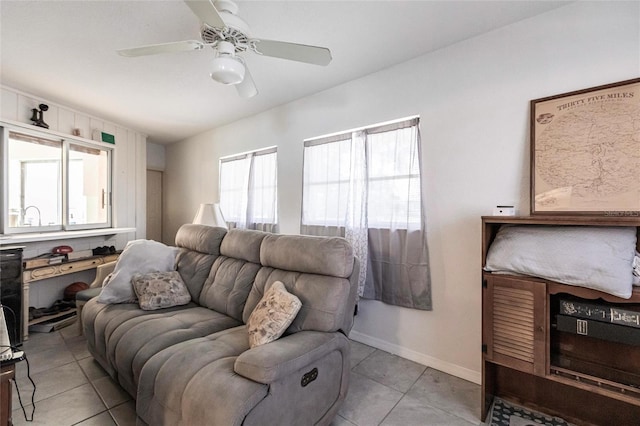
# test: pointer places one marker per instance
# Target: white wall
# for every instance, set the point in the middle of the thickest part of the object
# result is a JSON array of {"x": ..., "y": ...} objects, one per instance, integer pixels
[
  {"x": 473, "y": 100},
  {"x": 156, "y": 156},
  {"x": 129, "y": 182}
]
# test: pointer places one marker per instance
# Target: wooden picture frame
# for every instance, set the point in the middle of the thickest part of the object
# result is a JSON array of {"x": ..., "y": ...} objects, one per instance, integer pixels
[{"x": 585, "y": 151}]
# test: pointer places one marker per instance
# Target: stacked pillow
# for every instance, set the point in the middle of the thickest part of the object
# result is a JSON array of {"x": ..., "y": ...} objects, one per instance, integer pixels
[
  {"x": 596, "y": 257},
  {"x": 139, "y": 257}
]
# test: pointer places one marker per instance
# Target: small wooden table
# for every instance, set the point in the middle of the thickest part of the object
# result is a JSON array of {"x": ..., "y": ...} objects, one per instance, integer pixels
[
  {"x": 50, "y": 271},
  {"x": 7, "y": 372}
]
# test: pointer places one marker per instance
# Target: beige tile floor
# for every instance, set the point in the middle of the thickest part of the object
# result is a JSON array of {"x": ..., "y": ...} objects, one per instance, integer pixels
[{"x": 72, "y": 389}]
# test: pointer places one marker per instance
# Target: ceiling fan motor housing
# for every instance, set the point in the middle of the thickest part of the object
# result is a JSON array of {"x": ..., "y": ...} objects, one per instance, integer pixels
[{"x": 236, "y": 30}]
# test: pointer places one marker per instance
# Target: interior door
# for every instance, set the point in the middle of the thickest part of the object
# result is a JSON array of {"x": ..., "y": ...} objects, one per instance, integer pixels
[{"x": 154, "y": 205}]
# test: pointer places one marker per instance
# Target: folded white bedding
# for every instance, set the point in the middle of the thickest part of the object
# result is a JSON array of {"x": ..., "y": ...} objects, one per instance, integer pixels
[{"x": 600, "y": 258}]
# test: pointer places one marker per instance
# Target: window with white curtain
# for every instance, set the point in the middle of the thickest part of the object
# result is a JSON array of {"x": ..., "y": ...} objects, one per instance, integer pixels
[
  {"x": 365, "y": 185},
  {"x": 248, "y": 190}
]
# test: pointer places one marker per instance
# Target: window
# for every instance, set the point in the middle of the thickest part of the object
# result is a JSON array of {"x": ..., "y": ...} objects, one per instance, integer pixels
[
  {"x": 365, "y": 185},
  {"x": 88, "y": 183},
  {"x": 54, "y": 184},
  {"x": 326, "y": 183},
  {"x": 392, "y": 179},
  {"x": 248, "y": 190}
]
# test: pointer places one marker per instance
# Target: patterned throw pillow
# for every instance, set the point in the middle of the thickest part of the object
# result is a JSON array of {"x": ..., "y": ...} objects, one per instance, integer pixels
[
  {"x": 157, "y": 290},
  {"x": 272, "y": 315}
]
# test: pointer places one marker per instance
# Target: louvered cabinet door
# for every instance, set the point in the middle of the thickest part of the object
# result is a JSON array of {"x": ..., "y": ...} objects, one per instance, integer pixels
[{"x": 515, "y": 323}]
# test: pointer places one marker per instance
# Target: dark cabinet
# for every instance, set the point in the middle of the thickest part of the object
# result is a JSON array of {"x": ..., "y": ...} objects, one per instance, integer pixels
[
  {"x": 11, "y": 291},
  {"x": 531, "y": 359}
]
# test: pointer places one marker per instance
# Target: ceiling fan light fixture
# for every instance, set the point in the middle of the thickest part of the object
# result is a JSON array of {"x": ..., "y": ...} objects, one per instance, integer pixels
[{"x": 227, "y": 70}]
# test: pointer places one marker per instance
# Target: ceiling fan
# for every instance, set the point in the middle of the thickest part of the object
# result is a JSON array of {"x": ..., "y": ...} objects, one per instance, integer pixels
[{"x": 229, "y": 36}]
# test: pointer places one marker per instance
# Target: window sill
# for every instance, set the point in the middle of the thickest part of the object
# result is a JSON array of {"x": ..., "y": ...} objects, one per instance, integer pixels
[{"x": 62, "y": 235}]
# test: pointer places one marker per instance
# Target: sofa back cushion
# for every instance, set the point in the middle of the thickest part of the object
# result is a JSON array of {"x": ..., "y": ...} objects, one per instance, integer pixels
[
  {"x": 315, "y": 269},
  {"x": 199, "y": 247},
  {"x": 233, "y": 273}
]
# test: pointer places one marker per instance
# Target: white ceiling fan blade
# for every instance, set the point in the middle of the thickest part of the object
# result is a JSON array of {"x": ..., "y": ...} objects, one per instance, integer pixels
[
  {"x": 206, "y": 12},
  {"x": 293, "y": 51},
  {"x": 247, "y": 87},
  {"x": 154, "y": 49}
]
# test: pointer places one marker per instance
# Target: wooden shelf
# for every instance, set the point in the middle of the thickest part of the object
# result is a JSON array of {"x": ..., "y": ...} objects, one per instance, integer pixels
[
  {"x": 64, "y": 268},
  {"x": 585, "y": 380},
  {"x": 597, "y": 385},
  {"x": 50, "y": 317}
]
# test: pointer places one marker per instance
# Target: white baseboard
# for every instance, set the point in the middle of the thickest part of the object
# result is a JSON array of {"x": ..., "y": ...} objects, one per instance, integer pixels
[{"x": 438, "y": 364}]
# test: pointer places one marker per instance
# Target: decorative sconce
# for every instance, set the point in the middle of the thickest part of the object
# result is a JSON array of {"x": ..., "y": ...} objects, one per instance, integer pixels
[{"x": 37, "y": 118}]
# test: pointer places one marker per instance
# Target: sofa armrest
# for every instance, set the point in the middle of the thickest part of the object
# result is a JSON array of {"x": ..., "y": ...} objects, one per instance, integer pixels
[
  {"x": 270, "y": 362},
  {"x": 101, "y": 273}
]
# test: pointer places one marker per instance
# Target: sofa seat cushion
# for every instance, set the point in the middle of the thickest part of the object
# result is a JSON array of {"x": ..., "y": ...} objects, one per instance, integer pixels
[
  {"x": 199, "y": 382},
  {"x": 193, "y": 383},
  {"x": 124, "y": 337},
  {"x": 88, "y": 294}
]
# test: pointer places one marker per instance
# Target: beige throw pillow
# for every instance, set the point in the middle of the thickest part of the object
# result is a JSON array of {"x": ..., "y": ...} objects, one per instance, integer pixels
[
  {"x": 272, "y": 315},
  {"x": 157, "y": 290}
]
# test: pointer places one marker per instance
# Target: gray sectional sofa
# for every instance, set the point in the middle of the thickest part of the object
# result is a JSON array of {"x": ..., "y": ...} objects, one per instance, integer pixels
[{"x": 192, "y": 364}]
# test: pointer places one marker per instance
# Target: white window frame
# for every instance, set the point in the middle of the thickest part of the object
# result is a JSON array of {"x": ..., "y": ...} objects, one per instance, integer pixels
[
  {"x": 244, "y": 221},
  {"x": 65, "y": 141},
  {"x": 346, "y": 137}
]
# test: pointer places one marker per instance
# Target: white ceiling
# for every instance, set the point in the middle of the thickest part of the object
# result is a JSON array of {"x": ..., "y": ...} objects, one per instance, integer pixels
[{"x": 64, "y": 51}]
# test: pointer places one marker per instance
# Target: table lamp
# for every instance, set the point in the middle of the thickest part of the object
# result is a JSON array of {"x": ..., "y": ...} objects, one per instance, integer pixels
[{"x": 210, "y": 214}]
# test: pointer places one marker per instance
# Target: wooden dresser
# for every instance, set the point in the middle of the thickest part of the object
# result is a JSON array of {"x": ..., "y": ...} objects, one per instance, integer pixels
[
  {"x": 527, "y": 360},
  {"x": 7, "y": 373}
]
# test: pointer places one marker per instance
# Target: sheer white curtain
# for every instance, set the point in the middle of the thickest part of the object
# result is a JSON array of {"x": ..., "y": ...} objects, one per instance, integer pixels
[
  {"x": 234, "y": 189},
  {"x": 356, "y": 220},
  {"x": 262, "y": 210},
  {"x": 399, "y": 271},
  {"x": 248, "y": 190},
  {"x": 366, "y": 186}
]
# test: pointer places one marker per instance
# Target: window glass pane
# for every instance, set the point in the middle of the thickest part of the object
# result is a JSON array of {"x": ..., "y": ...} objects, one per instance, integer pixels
[
  {"x": 34, "y": 181},
  {"x": 88, "y": 186},
  {"x": 326, "y": 183},
  {"x": 392, "y": 153},
  {"x": 263, "y": 189},
  {"x": 394, "y": 179},
  {"x": 234, "y": 177},
  {"x": 392, "y": 173},
  {"x": 248, "y": 189}
]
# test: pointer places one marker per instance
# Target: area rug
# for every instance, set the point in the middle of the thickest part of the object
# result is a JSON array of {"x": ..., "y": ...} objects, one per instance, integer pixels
[{"x": 504, "y": 413}]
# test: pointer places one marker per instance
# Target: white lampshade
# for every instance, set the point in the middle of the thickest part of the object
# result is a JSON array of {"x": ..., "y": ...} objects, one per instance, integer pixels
[
  {"x": 226, "y": 67},
  {"x": 210, "y": 214},
  {"x": 227, "y": 70}
]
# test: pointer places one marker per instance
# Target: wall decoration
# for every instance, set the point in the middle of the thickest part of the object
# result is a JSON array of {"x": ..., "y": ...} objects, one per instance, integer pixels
[
  {"x": 37, "y": 116},
  {"x": 101, "y": 136},
  {"x": 585, "y": 151}
]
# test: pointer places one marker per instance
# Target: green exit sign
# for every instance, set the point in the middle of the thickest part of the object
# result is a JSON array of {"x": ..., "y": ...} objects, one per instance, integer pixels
[
  {"x": 106, "y": 137},
  {"x": 100, "y": 136}
]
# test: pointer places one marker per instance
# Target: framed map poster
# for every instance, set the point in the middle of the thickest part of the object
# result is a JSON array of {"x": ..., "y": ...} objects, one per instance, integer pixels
[{"x": 585, "y": 152}]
